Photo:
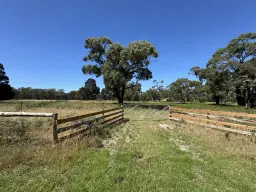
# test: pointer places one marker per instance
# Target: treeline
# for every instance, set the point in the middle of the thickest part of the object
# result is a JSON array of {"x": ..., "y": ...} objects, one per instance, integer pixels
[
  {"x": 182, "y": 90},
  {"x": 40, "y": 94},
  {"x": 89, "y": 91}
]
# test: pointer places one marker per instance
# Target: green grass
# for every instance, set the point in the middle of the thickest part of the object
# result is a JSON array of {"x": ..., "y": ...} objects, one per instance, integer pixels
[{"x": 138, "y": 155}]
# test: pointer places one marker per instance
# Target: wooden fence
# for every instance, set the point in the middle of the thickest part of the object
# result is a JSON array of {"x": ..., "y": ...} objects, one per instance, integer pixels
[
  {"x": 228, "y": 121},
  {"x": 102, "y": 118}
]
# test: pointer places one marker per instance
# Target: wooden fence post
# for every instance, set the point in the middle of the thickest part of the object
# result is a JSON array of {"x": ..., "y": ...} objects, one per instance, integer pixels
[
  {"x": 122, "y": 112},
  {"x": 170, "y": 112},
  {"x": 54, "y": 127}
]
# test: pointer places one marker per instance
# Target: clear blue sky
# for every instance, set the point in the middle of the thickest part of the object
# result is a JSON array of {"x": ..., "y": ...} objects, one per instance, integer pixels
[{"x": 42, "y": 42}]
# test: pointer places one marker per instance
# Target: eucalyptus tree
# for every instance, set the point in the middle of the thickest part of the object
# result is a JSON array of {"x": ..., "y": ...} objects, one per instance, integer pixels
[{"x": 117, "y": 64}]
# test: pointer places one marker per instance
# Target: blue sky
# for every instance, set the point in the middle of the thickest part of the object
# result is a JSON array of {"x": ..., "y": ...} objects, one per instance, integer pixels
[{"x": 42, "y": 42}]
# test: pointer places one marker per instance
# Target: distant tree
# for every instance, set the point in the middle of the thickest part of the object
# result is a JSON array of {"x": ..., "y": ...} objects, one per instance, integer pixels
[
  {"x": 156, "y": 93},
  {"x": 60, "y": 95},
  {"x": 117, "y": 64},
  {"x": 90, "y": 91},
  {"x": 39, "y": 94},
  {"x": 23, "y": 93},
  {"x": 72, "y": 95},
  {"x": 158, "y": 85},
  {"x": 6, "y": 91},
  {"x": 51, "y": 94},
  {"x": 158, "y": 90},
  {"x": 151, "y": 95},
  {"x": 184, "y": 90}
]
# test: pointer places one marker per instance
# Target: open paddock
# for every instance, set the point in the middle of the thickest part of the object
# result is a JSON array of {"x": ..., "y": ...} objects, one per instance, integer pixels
[{"x": 147, "y": 152}]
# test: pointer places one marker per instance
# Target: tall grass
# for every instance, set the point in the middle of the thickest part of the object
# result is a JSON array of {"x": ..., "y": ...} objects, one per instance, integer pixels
[{"x": 28, "y": 140}]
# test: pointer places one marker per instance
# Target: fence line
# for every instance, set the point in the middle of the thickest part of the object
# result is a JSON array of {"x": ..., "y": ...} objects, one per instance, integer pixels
[
  {"x": 214, "y": 121},
  {"x": 216, "y": 112},
  {"x": 116, "y": 114},
  {"x": 99, "y": 116}
]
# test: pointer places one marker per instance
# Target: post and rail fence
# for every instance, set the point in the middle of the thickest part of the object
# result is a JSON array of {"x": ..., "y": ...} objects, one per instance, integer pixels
[
  {"x": 104, "y": 118},
  {"x": 241, "y": 123}
]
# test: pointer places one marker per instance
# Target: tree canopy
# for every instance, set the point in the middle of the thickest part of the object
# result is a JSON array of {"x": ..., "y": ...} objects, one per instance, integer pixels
[
  {"x": 39, "y": 94},
  {"x": 185, "y": 90},
  {"x": 118, "y": 64},
  {"x": 90, "y": 91},
  {"x": 107, "y": 94},
  {"x": 5, "y": 89},
  {"x": 229, "y": 68},
  {"x": 133, "y": 93}
]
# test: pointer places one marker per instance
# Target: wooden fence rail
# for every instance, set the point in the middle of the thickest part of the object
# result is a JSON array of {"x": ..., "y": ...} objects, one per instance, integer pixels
[
  {"x": 215, "y": 119},
  {"x": 206, "y": 111},
  {"x": 60, "y": 121},
  {"x": 104, "y": 118},
  {"x": 24, "y": 114}
]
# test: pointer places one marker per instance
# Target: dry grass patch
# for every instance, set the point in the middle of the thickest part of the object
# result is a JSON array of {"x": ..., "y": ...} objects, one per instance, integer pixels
[{"x": 224, "y": 143}]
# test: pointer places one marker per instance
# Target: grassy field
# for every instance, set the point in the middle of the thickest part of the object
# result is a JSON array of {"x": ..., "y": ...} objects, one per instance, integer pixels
[{"x": 143, "y": 154}]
